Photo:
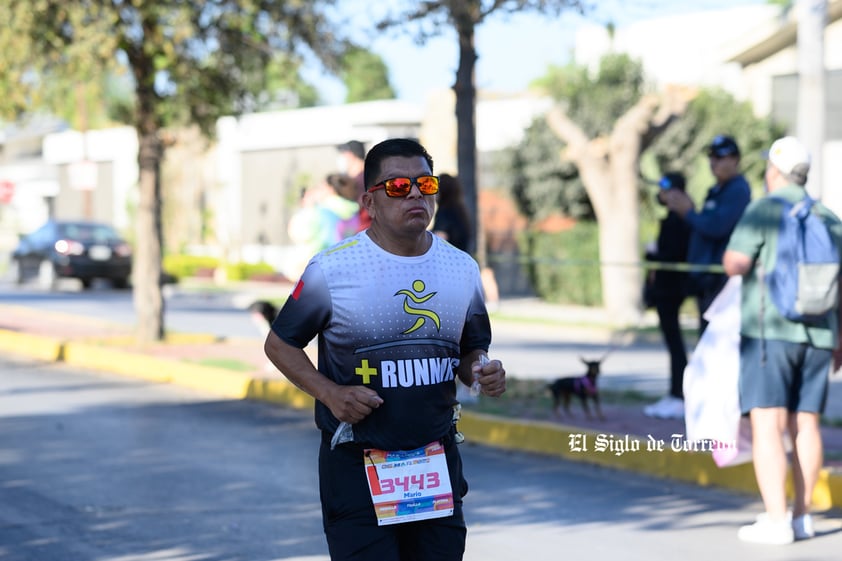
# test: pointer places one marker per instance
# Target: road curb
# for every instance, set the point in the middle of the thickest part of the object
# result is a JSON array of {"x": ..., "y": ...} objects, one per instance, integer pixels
[
  {"x": 624, "y": 452},
  {"x": 38, "y": 347}
]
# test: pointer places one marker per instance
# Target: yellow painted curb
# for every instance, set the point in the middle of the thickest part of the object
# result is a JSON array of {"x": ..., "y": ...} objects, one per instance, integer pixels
[
  {"x": 34, "y": 346},
  {"x": 281, "y": 392},
  {"x": 633, "y": 453},
  {"x": 219, "y": 381}
]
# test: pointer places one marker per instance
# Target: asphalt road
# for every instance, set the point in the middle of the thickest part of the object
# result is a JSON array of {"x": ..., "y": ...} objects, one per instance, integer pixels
[
  {"x": 220, "y": 313},
  {"x": 101, "y": 468}
]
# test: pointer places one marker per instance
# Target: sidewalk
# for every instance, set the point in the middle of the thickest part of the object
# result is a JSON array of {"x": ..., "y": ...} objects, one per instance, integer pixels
[{"x": 205, "y": 362}]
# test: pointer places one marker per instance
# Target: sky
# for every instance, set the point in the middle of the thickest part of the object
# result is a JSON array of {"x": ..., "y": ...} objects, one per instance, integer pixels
[{"x": 513, "y": 51}]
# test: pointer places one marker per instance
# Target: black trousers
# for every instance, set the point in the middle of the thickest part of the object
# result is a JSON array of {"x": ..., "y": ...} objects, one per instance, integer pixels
[
  {"x": 668, "y": 306},
  {"x": 350, "y": 523}
]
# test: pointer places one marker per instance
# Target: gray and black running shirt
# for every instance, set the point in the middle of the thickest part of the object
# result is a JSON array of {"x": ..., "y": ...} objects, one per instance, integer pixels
[{"x": 398, "y": 325}]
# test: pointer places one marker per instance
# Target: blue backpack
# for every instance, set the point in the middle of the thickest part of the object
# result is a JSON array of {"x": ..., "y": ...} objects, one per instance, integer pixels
[{"x": 805, "y": 283}]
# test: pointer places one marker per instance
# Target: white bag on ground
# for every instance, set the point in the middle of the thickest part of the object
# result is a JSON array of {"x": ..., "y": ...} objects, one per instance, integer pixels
[{"x": 711, "y": 391}]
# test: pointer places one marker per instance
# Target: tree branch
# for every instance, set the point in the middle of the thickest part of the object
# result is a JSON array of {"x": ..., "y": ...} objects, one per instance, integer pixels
[
  {"x": 673, "y": 104},
  {"x": 569, "y": 132}
]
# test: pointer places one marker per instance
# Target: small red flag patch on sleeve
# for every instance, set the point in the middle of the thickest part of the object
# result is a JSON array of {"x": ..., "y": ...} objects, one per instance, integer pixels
[{"x": 296, "y": 292}]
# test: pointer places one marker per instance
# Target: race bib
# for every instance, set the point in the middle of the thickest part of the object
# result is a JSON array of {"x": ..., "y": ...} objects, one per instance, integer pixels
[{"x": 411, "y": 485}]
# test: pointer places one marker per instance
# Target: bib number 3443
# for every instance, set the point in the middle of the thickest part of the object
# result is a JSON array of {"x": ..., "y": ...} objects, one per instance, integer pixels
[{"x": 409, "y": 485}]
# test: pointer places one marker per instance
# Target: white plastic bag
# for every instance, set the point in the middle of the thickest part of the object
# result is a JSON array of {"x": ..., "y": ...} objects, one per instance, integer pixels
[{"x": 711, "y": 391}]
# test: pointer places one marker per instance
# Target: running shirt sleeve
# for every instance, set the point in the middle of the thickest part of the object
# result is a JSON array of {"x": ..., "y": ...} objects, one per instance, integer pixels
[{"x": 306, "y": 311}]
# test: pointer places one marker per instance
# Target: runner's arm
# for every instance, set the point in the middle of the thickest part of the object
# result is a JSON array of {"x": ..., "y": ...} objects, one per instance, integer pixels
[{"x": 347, "y": 403}]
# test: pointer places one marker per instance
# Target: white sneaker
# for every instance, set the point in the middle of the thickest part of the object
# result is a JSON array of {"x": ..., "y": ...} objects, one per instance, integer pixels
[
  {"x": 767, "y": 531},
  {"x": 668, "y": 407},
  {"x": 802, "y": 527}
]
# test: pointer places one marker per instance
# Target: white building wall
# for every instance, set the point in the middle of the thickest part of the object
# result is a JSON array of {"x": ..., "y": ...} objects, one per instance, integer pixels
[{"x": 117, "y": 145}]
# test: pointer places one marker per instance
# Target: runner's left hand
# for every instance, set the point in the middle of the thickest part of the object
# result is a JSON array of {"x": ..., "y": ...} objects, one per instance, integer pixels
[{"x": 491, "y": 377}]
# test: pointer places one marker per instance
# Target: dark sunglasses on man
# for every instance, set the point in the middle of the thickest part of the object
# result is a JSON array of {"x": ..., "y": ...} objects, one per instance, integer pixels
[{"x": 401, "y": 186}]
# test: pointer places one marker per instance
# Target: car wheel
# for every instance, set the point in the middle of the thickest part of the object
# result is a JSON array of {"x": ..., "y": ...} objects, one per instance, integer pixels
[
  {"x": 47, "y": 277},
  {"x": 86, "y": 283}
]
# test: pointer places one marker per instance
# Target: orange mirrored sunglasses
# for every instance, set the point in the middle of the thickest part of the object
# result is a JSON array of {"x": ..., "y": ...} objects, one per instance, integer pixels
[{"x": 401, "y": 186}]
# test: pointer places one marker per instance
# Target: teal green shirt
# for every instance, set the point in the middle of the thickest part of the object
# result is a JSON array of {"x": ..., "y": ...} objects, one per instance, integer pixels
[{"x": 756, "y": 235}]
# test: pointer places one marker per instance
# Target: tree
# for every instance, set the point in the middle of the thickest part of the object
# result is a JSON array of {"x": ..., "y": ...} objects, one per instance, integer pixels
[
  {"x": 464, "y": 16},
  {"x": 541, "y": 183},
  {"x": 607, "y": 126},
  {"x": 190, "y": 62},
  {"x": 606, "y": 122},
  {"x": 366, "y": 76}
]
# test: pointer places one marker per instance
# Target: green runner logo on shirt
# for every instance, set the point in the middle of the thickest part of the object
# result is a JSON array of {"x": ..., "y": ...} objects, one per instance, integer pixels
[{"x": 418, "y": 287}]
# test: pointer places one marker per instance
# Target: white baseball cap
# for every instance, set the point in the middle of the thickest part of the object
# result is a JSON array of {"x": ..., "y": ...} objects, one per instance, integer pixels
[{"x": 790, "y": 156}]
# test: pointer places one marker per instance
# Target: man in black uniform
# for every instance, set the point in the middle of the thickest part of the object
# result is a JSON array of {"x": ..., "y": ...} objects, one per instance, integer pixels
[{"x": 399, "y": 314}]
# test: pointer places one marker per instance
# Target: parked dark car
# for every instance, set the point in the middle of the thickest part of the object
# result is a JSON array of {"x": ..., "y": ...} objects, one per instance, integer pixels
[{"x": 72, "y": 249}]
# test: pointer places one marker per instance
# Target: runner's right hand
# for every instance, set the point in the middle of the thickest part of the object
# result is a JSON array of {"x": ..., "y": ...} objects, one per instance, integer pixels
[{"x": 352, "y": 404}]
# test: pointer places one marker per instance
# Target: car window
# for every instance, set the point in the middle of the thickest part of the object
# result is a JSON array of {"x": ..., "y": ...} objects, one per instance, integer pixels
[{"x": 89, "y": 233}]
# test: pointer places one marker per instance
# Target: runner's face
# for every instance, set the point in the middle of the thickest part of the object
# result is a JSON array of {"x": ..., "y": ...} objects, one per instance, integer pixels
[{"x": 413, "y": 212}]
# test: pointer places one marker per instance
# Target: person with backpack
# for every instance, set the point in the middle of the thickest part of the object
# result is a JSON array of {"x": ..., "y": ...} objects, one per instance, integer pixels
[{"x": 786, "y": 247}]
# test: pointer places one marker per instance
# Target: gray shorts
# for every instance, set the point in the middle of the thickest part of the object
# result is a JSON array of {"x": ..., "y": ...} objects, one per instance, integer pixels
[{"x": 783, "y": 374}]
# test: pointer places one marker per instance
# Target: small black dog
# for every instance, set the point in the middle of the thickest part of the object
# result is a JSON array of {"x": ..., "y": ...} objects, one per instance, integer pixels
[
  {"x": 584, "y": 387},
  {"x": 263, "y": 314}
]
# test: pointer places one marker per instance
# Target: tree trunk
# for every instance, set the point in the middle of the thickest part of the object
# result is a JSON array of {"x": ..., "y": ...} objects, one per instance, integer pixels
[
  {"x": 609, "y": 168},
  {"x": 148, "y": 299},
  {"x": 812, "y": 17},
  {"x": 466, "y": 143},
  {"x": 610, "y": 176}
]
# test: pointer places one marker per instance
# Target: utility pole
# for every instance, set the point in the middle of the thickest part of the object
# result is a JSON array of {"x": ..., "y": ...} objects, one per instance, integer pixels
[{"x": 812, "y": 18}]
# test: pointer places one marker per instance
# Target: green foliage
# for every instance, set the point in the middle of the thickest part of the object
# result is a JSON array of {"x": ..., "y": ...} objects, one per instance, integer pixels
[
  {"x": 225, "y": 363},
  {"x": 248, "y": 271},
  {"x": 285, "y": 86},
  {"x": 564, "y": 266},
  {"x": 595, "y": 102},
  {"x": 540, "y": 182},
  {"x": 42, "y": 70},
  {"x": 191, "y": 62},
  {"x": 682, "y": 147},
  {"x": 366, "y": 76},
  {"x": 186, "y": 266}
]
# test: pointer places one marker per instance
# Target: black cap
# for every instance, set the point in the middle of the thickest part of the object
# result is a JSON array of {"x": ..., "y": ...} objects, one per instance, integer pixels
[
  {"x": 355, "y": 147},
  {"x": 722, "y": 146}
]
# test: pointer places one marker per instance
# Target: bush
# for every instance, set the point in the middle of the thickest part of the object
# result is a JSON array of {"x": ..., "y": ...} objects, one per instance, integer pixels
[
  {"x": 182, "y": 266},
  {"x": 564, "y": 267},
  {"x": 247, "y": 271}
]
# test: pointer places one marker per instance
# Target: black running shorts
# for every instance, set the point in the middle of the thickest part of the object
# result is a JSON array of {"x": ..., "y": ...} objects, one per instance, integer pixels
[{"x": 351, "y": 525}]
